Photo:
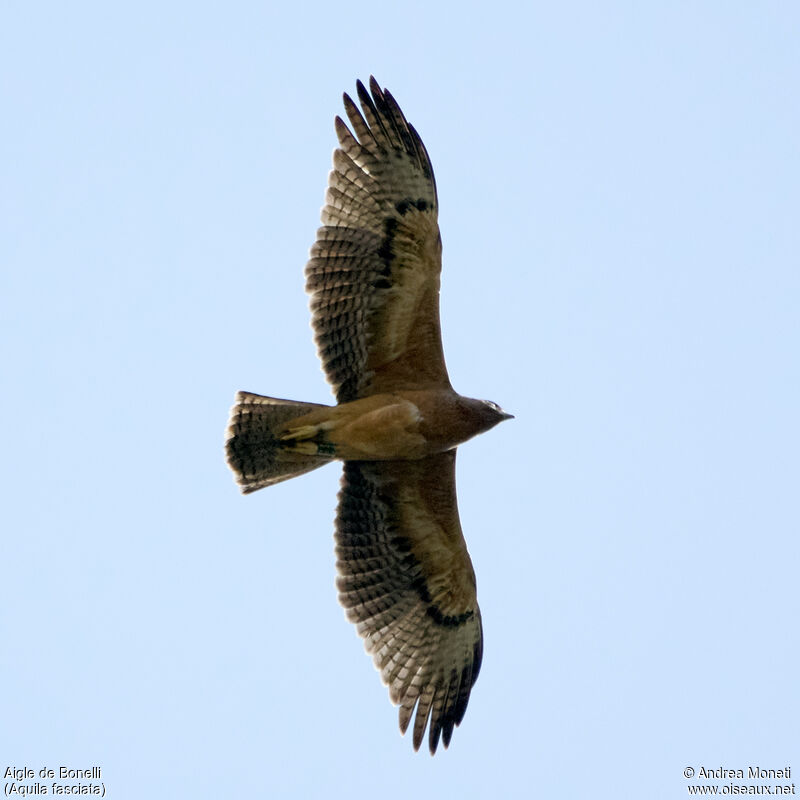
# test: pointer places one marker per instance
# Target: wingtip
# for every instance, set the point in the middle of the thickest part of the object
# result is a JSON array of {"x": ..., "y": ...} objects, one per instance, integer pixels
[{"x": 362, "y": 92}]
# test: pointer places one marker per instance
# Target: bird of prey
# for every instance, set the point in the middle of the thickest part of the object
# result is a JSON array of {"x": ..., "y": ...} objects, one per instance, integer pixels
[{"x": 404, "y": 574}]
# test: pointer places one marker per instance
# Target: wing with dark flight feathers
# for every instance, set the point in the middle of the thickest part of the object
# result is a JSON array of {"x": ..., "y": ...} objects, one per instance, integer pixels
[
  {"x": 406, "y": 581},
  {"x": 373, "y": 275}
]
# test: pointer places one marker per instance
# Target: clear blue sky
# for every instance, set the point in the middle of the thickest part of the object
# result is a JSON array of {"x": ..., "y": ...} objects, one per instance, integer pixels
[{"x": 620, "y": 207}]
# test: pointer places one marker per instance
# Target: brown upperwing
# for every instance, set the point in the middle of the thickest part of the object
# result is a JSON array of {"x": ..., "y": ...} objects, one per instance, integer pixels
[
  {"x": 373, "y": 275},
  {"x": 406, "y": 580}
]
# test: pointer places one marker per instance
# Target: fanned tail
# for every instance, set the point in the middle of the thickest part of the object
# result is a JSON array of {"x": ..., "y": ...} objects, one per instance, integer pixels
[{"x": 254, "y": 453}]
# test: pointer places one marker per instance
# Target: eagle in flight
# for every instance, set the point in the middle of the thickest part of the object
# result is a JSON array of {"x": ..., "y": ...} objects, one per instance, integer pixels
[{"x": 404, "y": 574}]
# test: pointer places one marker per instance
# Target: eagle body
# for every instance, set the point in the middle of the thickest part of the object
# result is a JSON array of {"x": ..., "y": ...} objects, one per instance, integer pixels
[
  {"x": 387, "y": 427},
  {"x": 405, "y": 577}
]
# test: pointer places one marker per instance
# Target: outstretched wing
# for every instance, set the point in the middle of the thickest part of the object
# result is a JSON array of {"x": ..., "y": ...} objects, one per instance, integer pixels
[
  {"x": 406, "y": 580},
  {"x": 373, "y": 275}
]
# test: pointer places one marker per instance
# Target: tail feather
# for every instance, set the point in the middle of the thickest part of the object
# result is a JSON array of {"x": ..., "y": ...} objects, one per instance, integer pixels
[{"x": 255, "y": 455}]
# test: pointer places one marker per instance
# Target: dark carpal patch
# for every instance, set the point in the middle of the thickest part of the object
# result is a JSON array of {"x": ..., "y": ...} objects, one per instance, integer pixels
[{"x": 406, "y": 203}]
